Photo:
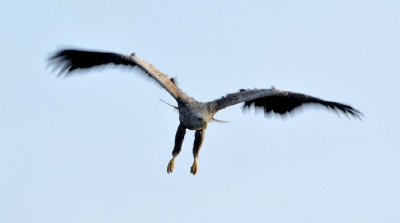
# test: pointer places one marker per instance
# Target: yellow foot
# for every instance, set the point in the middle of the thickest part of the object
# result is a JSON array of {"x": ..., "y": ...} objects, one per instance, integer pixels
[
  {"x": 170, "y": 166},
  {"x": 194, "y": 167}
]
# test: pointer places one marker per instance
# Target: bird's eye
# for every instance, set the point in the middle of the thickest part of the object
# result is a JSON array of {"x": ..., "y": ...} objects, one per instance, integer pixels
[{"x": 199, "y": 119}]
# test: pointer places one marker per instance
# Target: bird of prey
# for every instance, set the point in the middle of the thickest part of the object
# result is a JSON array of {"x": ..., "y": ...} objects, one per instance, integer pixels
[{"x": 194, "y": 115}]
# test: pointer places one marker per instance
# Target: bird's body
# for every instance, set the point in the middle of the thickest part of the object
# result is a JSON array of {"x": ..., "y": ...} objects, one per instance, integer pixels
[{"x": 195, "y": 115}]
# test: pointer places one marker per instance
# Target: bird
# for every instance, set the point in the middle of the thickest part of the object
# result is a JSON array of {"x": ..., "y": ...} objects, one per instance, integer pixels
[{"x": 193, "y": 115}]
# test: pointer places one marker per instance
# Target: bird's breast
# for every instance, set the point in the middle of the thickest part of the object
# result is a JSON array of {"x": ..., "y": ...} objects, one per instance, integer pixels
[{"x": 192, "y": 116}]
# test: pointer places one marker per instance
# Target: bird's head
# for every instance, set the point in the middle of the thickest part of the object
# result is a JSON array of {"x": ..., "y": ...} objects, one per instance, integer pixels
[{"x": 200, "y": 122}]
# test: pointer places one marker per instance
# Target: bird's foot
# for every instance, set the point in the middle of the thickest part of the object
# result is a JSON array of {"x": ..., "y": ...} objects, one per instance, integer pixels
[
  {"x": 170, "y": 166},
  {"x": 194, "y": 167}
]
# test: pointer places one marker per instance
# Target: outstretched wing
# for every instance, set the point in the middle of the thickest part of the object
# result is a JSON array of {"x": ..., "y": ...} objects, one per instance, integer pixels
[
  {"x": 281, "y": 102},
  {"x": 69, "y": 60}
]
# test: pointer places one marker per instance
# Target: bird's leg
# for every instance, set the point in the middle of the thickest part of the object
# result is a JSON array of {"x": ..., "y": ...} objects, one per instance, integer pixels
[
  {"x": 171, "y": 164},
  {"x": 179, "y": 136},
  {"x": 198, "y": 141}
]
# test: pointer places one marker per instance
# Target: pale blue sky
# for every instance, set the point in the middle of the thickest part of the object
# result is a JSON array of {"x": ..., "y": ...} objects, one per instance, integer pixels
[{"x": 94, "y": 148}]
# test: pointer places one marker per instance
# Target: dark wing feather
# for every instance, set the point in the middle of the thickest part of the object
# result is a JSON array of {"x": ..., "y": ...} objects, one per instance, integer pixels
[
  {"x": 69, "y": 60},
  {"x": 287, "y": 103}
]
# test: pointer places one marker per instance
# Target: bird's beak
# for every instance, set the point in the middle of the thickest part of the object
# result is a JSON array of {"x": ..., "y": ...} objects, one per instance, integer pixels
[{"x": 204, "y": 124}]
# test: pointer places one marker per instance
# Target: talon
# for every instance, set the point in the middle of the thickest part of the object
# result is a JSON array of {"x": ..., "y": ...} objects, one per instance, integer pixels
[
  {"x": 194, "y": 168},
  {"x": 170, "y": 166}
]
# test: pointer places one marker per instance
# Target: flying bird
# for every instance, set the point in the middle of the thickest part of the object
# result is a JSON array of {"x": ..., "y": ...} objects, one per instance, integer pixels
[{"x": 194, "y": 115}]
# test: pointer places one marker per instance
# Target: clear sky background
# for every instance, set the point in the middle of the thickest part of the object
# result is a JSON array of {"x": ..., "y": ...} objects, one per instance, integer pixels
[{"x": 95, "y": 147}]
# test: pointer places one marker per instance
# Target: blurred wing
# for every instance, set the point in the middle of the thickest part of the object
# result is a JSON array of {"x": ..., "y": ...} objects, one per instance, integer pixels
[
  {"x": 69, "y": 60},
  {"x": 279, "y": 101},
  {"x": 290, "y": 101}
]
